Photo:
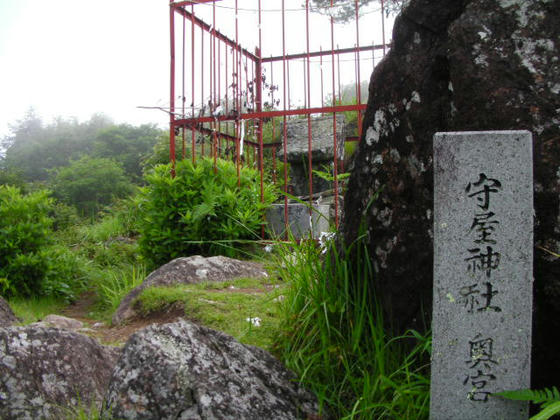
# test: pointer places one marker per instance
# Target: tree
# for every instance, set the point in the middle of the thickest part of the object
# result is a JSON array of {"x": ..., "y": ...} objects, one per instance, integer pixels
[
  {"x": 34, "y": 148},
  {"x": 127, "y": 145},
  {"x": 91, "y": 183},
  {"x": 345, "y": 10}
]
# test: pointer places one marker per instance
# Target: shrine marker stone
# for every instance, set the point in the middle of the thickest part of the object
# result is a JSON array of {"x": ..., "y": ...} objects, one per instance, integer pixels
[{"x": 483, "y": 273}]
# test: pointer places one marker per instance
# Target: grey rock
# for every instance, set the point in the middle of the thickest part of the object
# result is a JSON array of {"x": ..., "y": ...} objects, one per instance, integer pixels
[
  {"x": 300, "y": 223},
  {"x": 7, "y": 316},
  {"x": 458, "y": 65},
  {"x": 322, "y": 144},
  {"x": 185, "y": 371},
  {"x": 189, "y": 270},
  {"x": 322, "y": 151},
  {"x": 43, "y": 370},
  {"x": 59, "y": 321}
]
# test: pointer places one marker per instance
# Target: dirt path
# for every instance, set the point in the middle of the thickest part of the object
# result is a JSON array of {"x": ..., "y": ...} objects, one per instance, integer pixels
[{"x": 114, "y": 335}]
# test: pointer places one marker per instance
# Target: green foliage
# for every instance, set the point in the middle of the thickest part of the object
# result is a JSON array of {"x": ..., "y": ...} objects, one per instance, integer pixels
[
  {"x": 548, "y": 399},
  {"x": 232, "y": 307},
  {"x": 160, "y": 152},
  {"x": 11, "y": 177},
  {"x": 91, "y": 183},
  {"x": 35, "y": 148},
  {"x": 127, "y": 145},
  {"x": 200, "y": 210},
  {"x": 24, "y": 234},
  {"x": 333, "y": 338},
  {"x": 64, "y": 216},
  {"x": 35, "y": 308},
  {"x": 65, "y": 275},
  {"x": 116, "y": 284}
]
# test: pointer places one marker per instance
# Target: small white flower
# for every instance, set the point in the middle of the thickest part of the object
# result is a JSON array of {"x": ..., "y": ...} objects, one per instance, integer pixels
[
  {"x": 268, "y": 248},
  {"x": 255, "y": 322},
  {"x": 324, "y": 239}
]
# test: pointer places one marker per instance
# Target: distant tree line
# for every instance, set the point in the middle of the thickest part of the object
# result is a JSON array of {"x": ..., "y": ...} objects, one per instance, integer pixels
[{"x": 85, "y": 164}]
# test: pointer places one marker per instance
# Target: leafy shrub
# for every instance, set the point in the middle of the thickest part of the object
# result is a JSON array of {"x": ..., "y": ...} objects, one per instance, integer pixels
[
  {"x": 64, "y": 216},
  {"x": 64, "y": 275},
  {"x": 30, "y": 264},
  {"x": 200, "y": 210},
  {"x": 91, "y": 183},
  {"x": 24, "y": 232}
]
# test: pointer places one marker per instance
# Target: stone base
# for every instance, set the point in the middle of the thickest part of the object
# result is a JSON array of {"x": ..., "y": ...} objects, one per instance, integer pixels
[{"x": 301, "y": 223}]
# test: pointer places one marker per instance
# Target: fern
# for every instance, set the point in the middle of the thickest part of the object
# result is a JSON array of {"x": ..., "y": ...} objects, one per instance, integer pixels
[{"x": 548, "y": 398}]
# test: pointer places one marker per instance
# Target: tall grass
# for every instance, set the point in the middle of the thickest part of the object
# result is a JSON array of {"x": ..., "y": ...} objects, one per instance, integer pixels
[
  {"x": 333, "y": 338},
  {"x": 117, "y": 283}
]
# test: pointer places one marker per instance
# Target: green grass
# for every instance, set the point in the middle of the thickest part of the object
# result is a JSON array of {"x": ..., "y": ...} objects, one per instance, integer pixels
[
  {"x": 33, "y": 309},
  {"x": 218, "y": 306},
  {"x": 332, "y": 336},
  {"x": 113, "y": 285}
]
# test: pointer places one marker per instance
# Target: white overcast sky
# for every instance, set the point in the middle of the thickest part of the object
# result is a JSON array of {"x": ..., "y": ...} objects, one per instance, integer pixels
[{"x": 73, "y": 58}]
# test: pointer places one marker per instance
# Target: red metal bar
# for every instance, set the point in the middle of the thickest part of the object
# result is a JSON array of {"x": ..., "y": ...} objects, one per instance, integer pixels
[
  {"x": 229, "y": 137},
  {"x": 271, "y": 114},
  {"x": 177, "y": 4},
  {"x": 259, "y": 73},
  {"x": 237, "y": 96},
  {"x": 383, "y": 25},
  {"x": 284, "y": 129},
  {"x": 273, "y": 125},
  {"x": 172, "y": 90},
  {"x": 335, "y": 142},
  {"x": 205, "y": 27},
  {"x": 309, "y": 134},
  {"x": 321, "y": 68},
  {"x": 213, "y": 87},
  {"x": 313, "y": 54},
  {"x": 193, "y": 137},
  {"x": 220, "y": 91},
  {"x": 183, "y": 87},
  {"x": 358, "y": 63},
  {"x": 202, "y": 101}
]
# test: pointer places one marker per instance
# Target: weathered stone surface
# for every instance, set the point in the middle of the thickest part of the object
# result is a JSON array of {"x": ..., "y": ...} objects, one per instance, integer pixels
[
  {"x": 189, "y": 270},
  {"x": 43, "y": 370},
  {"x": 458, "y": 65},
  {"x": 483, "y": 273},
  {"x": 322, "y": 144},
  {"x": 59, "y": 321},
  {"x": 185, "y": 371},
  {"x": 301, "y": 224},
  {"x": 7, "y": 316},
  {"x": 322, "y": 151}
]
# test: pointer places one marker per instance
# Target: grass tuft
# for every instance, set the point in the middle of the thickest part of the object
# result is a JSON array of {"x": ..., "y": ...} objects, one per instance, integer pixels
[
  {"x": 35, "y": 308},
  {"x": 247, "y": 309},
  {"x": 332, "y": 336}
]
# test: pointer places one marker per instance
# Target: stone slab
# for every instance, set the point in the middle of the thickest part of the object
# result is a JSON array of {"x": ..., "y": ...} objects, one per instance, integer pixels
[
  {"x": 322, "y": 144},
  {"x": 483, "y": 273},
  {"x": 300, "y": 222}
]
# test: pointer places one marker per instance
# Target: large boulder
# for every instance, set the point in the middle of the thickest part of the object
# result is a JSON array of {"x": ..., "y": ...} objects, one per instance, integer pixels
[
  {"x": 185, "y": 371},
  {"x": 458, "y": 65},
  {"x": 189, "y": 270},
  {"x": 7, "y": 316},
  {"x": 43, "y": 370}
]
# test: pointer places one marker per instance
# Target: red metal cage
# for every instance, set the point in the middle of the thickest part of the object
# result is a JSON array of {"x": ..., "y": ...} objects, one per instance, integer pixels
[{"x": 229, "y": 100}]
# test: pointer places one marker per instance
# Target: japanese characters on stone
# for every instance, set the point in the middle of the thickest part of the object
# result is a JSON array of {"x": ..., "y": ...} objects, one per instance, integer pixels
[{"x": 479, "y": 295}]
